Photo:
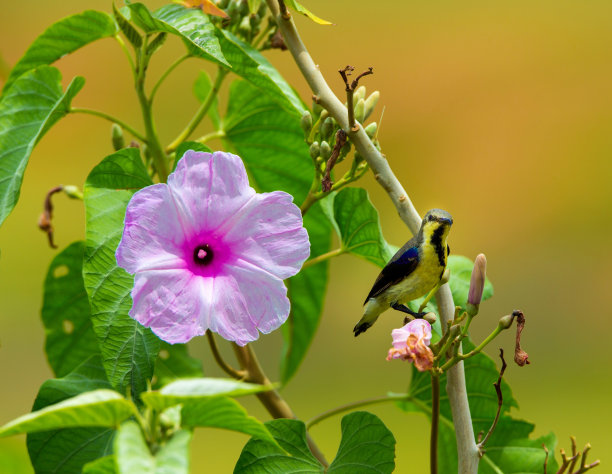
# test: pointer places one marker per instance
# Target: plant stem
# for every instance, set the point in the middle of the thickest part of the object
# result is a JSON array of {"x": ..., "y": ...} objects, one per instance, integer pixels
[
  {"x": 435, "y": 421},
  {"x": 350, "y": 406},
  {"x": 160, "y": 160},
  {"x": 473, "y": 352},
  {"x": 323, "y": 257},
  {"x": 163, "y": 77},
  {"x": 110, "y": 118},
  {"x": 127, "y": 53},
  {"x": 209, "y": 136},
  {"x": 271, "y": 399},
  {"x": 201, "y": 113},
  {"x": 214, "y": 348}
]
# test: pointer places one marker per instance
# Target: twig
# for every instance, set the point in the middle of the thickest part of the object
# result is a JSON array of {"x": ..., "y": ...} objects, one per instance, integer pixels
[
  {"x": 45, "y": 220},
  {"x": 500, "y": 401},
  {"x": 350, "y": 90},
  {"x": 283, "y": 10},
  {"x": 466, "y": 445},
  {"x": 520, "y": 356},
  {"x": 326, "y": 183},
  {"x": 568, "y": 464}
]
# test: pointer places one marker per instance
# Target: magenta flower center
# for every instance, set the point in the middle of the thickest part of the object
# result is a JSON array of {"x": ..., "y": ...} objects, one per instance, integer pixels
[{"x": 202, "y": 255}]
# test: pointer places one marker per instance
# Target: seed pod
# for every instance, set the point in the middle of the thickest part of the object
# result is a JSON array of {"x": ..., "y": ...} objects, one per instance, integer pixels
[
  {"x": 315, "y": 150},
  {"x": 370, "y": 103},
  {"x": 360, "y": 111},
  {"x": 325, "y": 151},
  {"x": 306, "y": 122},
  {"x": 117, "y": 137},
  {"x": 505, "y": 321},
  {"x": 371, "y": 129},
  {"x": 327, "y": 127},
  {"x": 359, "y": 93}
]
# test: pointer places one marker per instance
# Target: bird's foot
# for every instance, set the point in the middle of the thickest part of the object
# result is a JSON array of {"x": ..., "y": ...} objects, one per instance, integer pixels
[{"x": 405, "y": 309}]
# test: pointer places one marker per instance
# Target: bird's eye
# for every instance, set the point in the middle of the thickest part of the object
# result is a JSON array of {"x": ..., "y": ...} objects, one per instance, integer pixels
[{"x": 430, "y": 218}]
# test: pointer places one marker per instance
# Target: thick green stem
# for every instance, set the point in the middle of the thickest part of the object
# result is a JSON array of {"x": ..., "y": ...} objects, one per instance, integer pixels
[
  {"x": 435, "y": 421},
  {"x": 110, "y": 118},
  {"x": 201, "y": 113}
]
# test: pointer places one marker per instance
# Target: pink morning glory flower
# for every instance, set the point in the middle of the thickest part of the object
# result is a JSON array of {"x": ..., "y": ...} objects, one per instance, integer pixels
[
  {"x": 208, "y": 252},
  {"x": 411, "y": 343}
]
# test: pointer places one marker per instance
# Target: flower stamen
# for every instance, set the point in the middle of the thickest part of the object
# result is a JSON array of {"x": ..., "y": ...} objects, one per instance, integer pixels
[{"x": 202, "y": 255}]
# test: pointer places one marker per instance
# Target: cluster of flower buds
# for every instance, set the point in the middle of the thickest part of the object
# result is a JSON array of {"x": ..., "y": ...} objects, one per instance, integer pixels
[{"x": 243, "y": 20}]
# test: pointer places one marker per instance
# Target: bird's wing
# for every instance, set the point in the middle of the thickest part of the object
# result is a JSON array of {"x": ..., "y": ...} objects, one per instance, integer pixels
[{"x": 399, "y": 267}]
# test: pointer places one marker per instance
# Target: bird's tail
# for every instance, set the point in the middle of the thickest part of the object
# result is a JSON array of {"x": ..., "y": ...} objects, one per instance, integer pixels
[{"x": 370, "y": 315}]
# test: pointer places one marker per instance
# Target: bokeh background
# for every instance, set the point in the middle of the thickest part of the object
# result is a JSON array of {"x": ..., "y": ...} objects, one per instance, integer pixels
[{"x": 500, "y": 112}]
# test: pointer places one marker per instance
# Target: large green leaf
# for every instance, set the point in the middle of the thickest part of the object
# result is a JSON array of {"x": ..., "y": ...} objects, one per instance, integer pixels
[
  {"x": 174, "y": 362},
  {"x": 105, "y": 465},
  {"x": 189, "y": 24},
  {"x": 367, "y": 446},
  {"x": 70, "y": 338},
  {"x": 187, "y": 390},
  {"x": 62, "y": 38},
  {"x": 28, "y": 109},
  {"x": 128, "y": 348},
  {"x": 250, "y": 64},
  {"x": 357, "y": 224},
  {"x": 271, "y": 143},
  {"x": 269, "y": 140},
  {"x": 225, "y": 413},
  {"x": 307, "y": 295},
  {"x": 67, "y": 450},
  {"x": 100, "y": 407},
  {"x": 133, "y": 455},
  {"x": 510, "y": 436}
]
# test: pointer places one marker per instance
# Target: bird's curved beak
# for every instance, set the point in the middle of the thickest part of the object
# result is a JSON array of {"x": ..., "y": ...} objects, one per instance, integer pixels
[{"x": 446, "y": 220}]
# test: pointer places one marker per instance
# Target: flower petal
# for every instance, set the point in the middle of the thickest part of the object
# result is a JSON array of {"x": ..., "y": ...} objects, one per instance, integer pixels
[
  {"x": 269, "y": 232},
  {"x": 209, "y": 188},
  {"x": 175, "y": 304},
  {"x": 152, "y": 232}
]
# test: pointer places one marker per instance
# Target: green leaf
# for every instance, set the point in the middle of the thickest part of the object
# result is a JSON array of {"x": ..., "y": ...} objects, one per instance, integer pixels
[
  {"x": 174, "y": 362},
  {"x": 126, "y": 27},
  {"x": 301, "y": 9},
  {"x": 133, "y": 455},
  {"x": 62, "y": 38},
  {"x": 128, "y": 348},
  {"x": 69, "y": 449},
  {"x": 201, "y": 88},
  {"x": 28, "y": 109},
  {"x": 250, "y": 64},
  {"x": 222, "y": 412},
  {"x": 307, "y": 295},
  {"x": 183, "y": 391},
  {"x": 189, "y": 24},
  {"x": 70, "y": 338},
  {"x": 269, "y": 140},
  {"x": 96, "y": 408},
  {"x": 357, "y": 224},
  {"x": 367, "y": 446},
  {"x": 481, "y": 372},
  {"x": 105, "y": 465},
  {"x": 291, "y": 454}
]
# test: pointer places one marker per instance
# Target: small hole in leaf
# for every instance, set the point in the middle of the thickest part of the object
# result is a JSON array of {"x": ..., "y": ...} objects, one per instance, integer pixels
[
  {"x": 164, "y": 354},
  {"x": 67, "y": 326},
  {"x": 60, "y": 271}
]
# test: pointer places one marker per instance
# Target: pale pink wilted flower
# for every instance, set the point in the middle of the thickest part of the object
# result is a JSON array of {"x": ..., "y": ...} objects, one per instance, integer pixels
[
  {"x": 208, "y": 252},
  {"x": 411, "y": 343}
]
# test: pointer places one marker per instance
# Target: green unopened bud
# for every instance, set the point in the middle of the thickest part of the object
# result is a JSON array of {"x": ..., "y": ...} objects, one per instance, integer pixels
[
  {"x": 371, "y": 129},
  {"x": 316, "y": 109},
  {"x": 306, "y": 122},
  {"x": 477, "y": 283},
  {"x": 360, "y": 110},
  {"x": 222, "y": 3},
  {"x": 117, "y": 137},
  {"x": 370, "y": 103},
  {"x": 244, "y": 7},
  {"x": 245, "y": 25},
  {"x": 73, "y": 192},
  {"x": 327, "y": 127},
  {"x": 324, "y": 115},
  {"x": 359, "y": 93},
  {"x": 430, "y": 318},
  {"x": 326, "y": 150},
  {"x": 505, "y": 321},
  {"x": 233, "y": 9},
  {"x": 315, "y": 150}
]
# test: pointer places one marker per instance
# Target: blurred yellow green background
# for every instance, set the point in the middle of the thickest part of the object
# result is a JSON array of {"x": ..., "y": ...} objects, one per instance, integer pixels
[{"x": 499, "y": 112}]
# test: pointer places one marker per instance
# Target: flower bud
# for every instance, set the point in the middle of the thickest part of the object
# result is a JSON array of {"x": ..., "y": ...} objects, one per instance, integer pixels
[
  {"x": 245, "y": 25},
  {"x": 327, "y": 128},
  {"x": 360, "y": 110},
  {"x": 477, "y": 283},
  {"x": 370, "y": 103},
  {"x": 316, "y": 108},
  {"x": 73, "y": 192},
  {"x": 117, "y": 137},
  {"x": 359, "y": 93},
  {"x": 324, "y": 115},
  {"x": 244, "y": 7},
  {"x": 430, "y": 318},
  {"x": 326, "y": 150},
  {"x": 505, "y": 321},
  {"x": 315, "y": 150},
  {"x": 306, "y": 122},
  {"x": 222, "y": 3},
  {"x": 371, "y": 129}
]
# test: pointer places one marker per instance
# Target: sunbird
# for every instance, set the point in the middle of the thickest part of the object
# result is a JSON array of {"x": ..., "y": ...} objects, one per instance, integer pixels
[{"x": 414, "y": 270}]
